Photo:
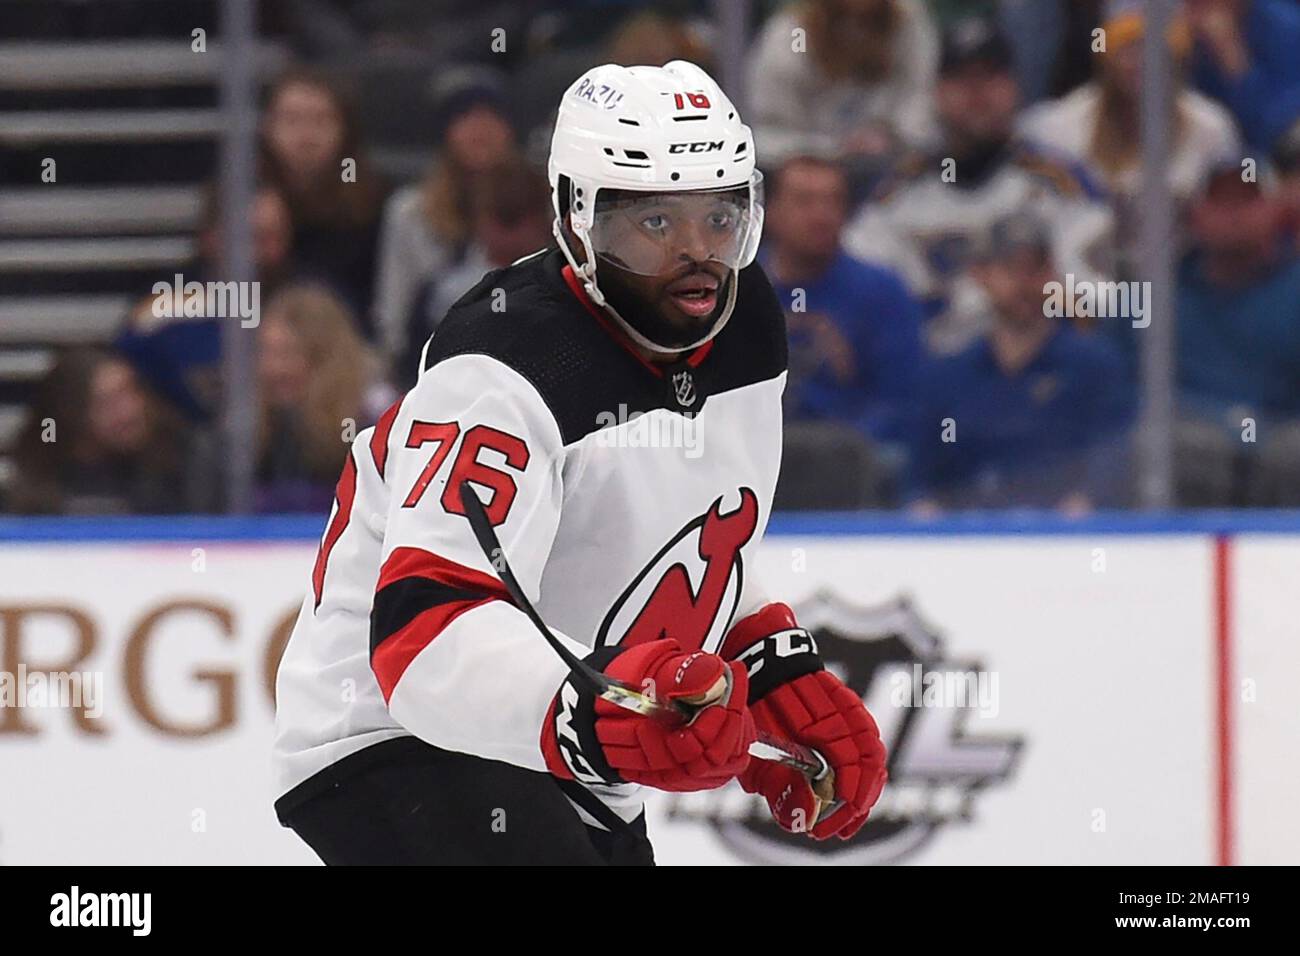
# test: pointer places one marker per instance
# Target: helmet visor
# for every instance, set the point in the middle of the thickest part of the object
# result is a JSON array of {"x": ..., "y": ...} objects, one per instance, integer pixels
[{"x": 651, "y": 233}]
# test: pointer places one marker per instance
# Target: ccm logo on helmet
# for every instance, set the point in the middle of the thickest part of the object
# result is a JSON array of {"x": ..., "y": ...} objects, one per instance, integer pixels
[{"x": 705, "y": 146}]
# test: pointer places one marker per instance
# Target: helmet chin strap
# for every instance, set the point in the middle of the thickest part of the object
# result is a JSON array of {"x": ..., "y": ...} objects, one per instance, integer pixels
[{"x": 586, "y": 271}]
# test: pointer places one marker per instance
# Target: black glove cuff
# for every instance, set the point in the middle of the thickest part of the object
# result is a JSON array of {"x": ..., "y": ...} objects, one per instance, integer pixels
[
  {"x": 575, "y": 725},
  {"x": 778, "y": 659}
]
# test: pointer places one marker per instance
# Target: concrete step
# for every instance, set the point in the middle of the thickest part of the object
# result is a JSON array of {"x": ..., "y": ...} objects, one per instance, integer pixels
[
  {"x": 120, "y": 63},
  {"x": 87, "y": 255},
  {"x": 65, "y": 210},
  {"x": 12, "y": 419},
  {"x": 25, "y": 365},
  {"x": 19, "y": 129},
  {"x": 61, "y": 320}
]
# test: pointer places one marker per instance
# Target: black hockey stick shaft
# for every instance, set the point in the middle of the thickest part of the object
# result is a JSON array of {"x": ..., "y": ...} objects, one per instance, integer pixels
[
  {"x": 602, "y": 685},
  {"x": 767, "y": 747}
]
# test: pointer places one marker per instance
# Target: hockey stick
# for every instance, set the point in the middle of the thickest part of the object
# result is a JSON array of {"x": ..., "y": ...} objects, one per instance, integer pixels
[{"x": 767, "y": 747}]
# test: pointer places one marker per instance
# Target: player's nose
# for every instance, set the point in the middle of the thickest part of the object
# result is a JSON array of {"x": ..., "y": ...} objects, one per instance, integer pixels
[{"x": 693, "y": 242}]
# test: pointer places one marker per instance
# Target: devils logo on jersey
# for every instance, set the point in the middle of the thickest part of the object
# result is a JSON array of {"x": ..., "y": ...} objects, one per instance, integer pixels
[{"x": 690, "y": 589}]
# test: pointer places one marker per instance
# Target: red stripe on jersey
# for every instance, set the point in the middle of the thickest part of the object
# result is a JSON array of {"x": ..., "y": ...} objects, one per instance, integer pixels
[
  {"x": 394, "y": 655},
  {"x": 575, "y": 286},
  {"x": 391, "y": 658},
  {"x": 344, "y": 495},
  {"x": 700, "y": 354},
  {"x": 379, "y": 440},
  {"x": 418, "y": 563}
]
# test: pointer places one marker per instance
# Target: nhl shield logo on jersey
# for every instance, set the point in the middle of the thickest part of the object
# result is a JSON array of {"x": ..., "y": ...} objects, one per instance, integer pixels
[
  {"x": 690, "y": 589},
  {"x": 683, "y": 390},
  {"x": 937, "y": 771}
]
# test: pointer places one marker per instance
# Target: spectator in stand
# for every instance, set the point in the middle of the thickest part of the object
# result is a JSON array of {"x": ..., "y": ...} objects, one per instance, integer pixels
[
  {"x": 928, "y": 216},
  {"x": 97, "y": 441},
  {"x": 1239, "y": 348},
  {"x": 1037, "y": 31},
  {"x": 319, "y": 384},
  {"x": 1033, "y": 414},
  {"x": 272, "y": 227},
  {"x": 854, "y": 329},
  {"x": 1074, "y": 57},
  {"x": 511, "y": 219},
  {"x": 650, "y": 38},
  {"x": 1286, "y": 160},
  {"x": 1099, "y": 124},
  {"x": 1247, "y": 56},
  {"x": 851, "y": 77},
  {"x": 312, "y": 153},
  {"x": 179, "y": 356},
  {"x": 427, "y": 226}
]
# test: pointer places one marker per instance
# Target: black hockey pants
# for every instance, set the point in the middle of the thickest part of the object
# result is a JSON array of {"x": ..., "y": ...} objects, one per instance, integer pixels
[{"x": 405, "y": 802}]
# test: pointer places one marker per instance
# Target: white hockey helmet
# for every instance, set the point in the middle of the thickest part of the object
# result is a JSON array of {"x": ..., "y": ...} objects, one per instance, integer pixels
[{"x": 653, "y": 129}]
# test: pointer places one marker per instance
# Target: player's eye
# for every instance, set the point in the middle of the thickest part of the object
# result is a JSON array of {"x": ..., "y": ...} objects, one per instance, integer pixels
[
  {"x": 724, "y": 219},
  {"x": 655, "y": 222}
]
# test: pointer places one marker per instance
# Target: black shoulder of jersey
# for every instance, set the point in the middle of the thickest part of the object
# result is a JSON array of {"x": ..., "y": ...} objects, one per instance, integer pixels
[{"x": 526, "y": 317}]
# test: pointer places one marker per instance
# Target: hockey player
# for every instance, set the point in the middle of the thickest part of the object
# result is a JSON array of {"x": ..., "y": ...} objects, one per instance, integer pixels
[{"x": 420, "y": 717}]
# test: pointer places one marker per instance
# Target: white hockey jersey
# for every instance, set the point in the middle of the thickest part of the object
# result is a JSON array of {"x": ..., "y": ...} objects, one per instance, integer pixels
[{"x": 629, "y": 500}]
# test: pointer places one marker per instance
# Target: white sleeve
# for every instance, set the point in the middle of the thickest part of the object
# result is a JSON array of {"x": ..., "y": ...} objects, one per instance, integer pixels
[
  {"x": 460, "y": 666},
  {"x": 873, "y": 236}
]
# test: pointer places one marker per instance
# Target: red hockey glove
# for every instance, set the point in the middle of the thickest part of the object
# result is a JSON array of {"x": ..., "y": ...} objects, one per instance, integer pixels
[
  {"x": 591, "y": 740},
  {"x": 792, "y": 695}
]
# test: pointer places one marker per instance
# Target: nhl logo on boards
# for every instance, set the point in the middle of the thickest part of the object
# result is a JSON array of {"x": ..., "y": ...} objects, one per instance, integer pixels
[
  {"x": 940, "y": 768},
  {"x": 683, "y": 391}
]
